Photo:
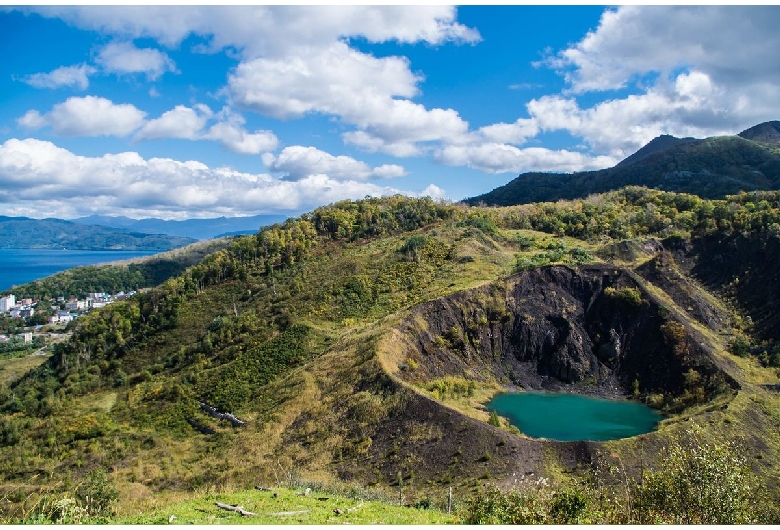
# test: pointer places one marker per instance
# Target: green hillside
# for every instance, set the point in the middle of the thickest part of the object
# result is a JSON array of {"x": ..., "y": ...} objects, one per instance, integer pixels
[
  {"x": 356, "y": 345},
  {"x": 711, "y": 168}
]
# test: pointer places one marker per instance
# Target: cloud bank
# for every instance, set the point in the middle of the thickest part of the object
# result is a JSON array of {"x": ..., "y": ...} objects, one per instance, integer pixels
[{"x": 39, "y": 176}]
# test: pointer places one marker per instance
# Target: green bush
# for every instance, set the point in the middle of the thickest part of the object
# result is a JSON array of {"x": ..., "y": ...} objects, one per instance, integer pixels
[
  {"x": 699, "y": 481},
  {"x": 579, "y": 256},
  {"x": 497, "y": 507},
  {"x": 452, "y": 386},
  {"x": 627, "y": 295},
  {"x": 487, "y": 226},
  {"x": 740, "y": 346},
  {"x": 97, "y": 494},
  {"x": 522, "y": 263},
  {"x": 414, "y": 244},
  {"x": 524, "y": 242},
  {"x": 568, "y": 506}
]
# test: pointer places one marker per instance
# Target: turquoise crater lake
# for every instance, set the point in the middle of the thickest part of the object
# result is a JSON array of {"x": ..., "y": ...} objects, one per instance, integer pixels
[{"x": 572, "y": 417}]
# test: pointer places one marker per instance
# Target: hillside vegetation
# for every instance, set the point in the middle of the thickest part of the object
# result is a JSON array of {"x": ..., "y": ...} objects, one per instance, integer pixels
[
  {"x": 710, "y": 168},
  {"x": 319, "y": 335}
]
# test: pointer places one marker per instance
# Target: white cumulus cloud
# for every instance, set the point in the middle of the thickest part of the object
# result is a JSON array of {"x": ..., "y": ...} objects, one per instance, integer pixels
[
  {"x": 298, "y": 162},
  {"x": 179, "y": 122},
  {"x": 503, "y": 158},
  {"x": 270, "y": 30},
  {"x": 230, "y": 132},
  {"x": 695, "y": 70},
  {"x": 511, "y": 133},
  {"x": 95, "y": 116},
  {"x": 87, "y": 116},
  {"x": 322, "y": 80},
  {"x": 736, "y": 45},
  {"x": 368, "y": 92},
  {"x": 76, "y": 76},
  {"x": 296, "y": 60},
  {"x": 125, "y": 58},
  {"x": 619, "y": 127},
  {"x": 39, "y": 176}
]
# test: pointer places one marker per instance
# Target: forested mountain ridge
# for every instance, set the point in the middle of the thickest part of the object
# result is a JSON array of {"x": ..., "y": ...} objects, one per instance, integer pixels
[
  {"x": 710, "y": 168},
  {"x": 193, "y": 228},
  {"x": 355, "y": 343},
  {"x": 23, "y": 232},
  {"x": 767, "y": 133}
]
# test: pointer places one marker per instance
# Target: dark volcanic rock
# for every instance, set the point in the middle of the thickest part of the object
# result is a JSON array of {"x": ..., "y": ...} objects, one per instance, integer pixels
[{"x": 591, "y": 329}]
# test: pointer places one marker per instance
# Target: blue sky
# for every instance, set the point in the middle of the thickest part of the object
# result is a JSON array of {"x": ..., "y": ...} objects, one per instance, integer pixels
[{"x": 198, "y": 111}]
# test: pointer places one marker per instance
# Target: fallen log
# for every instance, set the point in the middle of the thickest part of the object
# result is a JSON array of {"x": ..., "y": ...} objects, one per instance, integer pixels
[
  {"x": 339, "y": 511},
  {"x": 354, "y": 508},
  {"x": 263, "y": 488},
  {"x": 214, "y": 413},
  {"x": 235, "y": 508},
  {"x": 281, "y": 514}
]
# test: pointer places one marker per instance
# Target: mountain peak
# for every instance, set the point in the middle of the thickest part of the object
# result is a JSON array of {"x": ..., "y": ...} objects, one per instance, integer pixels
[
  {"x": 767, "y": 132},
  {"x": 659, "y": 143}
]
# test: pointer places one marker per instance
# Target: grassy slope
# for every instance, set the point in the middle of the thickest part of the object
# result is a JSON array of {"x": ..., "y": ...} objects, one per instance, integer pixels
[
  {"x": 281, "y": 506},
  {"x": 317, "y": 420},
  {"x": 13, "y": 368}
]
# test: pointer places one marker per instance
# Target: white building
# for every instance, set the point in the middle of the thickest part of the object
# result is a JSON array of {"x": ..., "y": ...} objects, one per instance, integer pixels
[
  {"x": 61, "y": 316},
  {"x": 7, "y": 303},
  {"x": 78, "y": 305}
]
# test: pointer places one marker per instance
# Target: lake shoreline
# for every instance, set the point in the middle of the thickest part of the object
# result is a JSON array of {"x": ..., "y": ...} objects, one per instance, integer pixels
[
  {"x": 21, "y": 266},
  {"x": 570, "y": 417}
]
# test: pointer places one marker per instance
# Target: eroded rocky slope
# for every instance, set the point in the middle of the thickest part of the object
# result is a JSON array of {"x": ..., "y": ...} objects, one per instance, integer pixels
[{"x": 590, "y": 329}]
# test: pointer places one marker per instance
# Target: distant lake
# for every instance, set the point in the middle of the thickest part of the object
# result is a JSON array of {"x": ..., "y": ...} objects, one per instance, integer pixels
[
  {"x": 18, "y": 266},
  {"x": 570, "y": 417}
]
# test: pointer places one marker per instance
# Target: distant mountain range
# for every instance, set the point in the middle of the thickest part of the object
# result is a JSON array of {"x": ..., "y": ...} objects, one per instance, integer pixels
[
  {"x": 100, "y": 232},
  {"x": 23, "y": 232},
  {"x": 194, "y": 228},
  {"x": 711, "y": 168}
]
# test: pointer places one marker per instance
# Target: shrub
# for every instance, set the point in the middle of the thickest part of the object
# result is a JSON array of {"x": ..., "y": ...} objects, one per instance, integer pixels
[
  {"x": 413, "y": 245},
  {"x": 628, "y": 295},
  {"x": 579, "y": 255},
  {"x": 524, "y": 242},
  {"x": 523, "y": 263},
  {"x": 452, "y": 386},
  {"x": 699, "y": 481},
  {"x": 515, "y": 507},
  {"x": 568, "y": 506},
  {"x": 97, "y": 494},
  {"x": 487, "y": 226},
  {"x": 740, "y": 346}
]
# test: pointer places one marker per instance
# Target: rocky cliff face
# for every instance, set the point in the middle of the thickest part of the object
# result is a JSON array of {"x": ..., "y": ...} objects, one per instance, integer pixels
[{"x": 590, "y": 329}]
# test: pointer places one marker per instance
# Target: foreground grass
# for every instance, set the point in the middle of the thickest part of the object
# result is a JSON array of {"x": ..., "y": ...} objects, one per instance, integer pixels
[{"x": 285, "y": 506}]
